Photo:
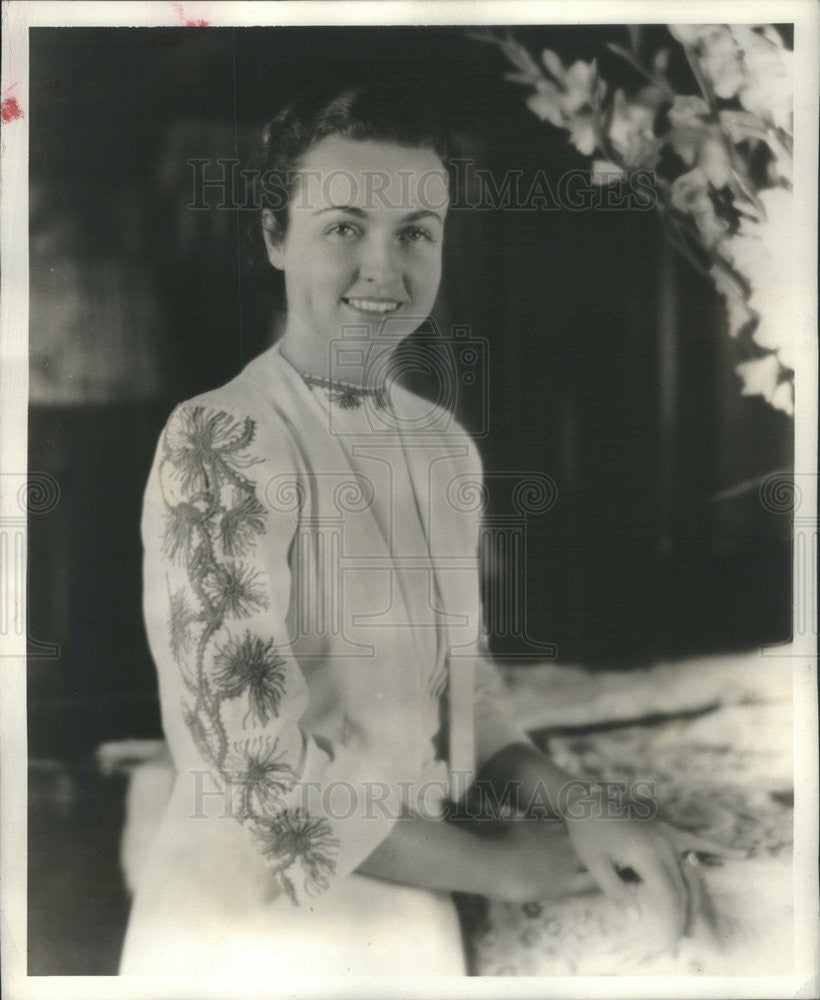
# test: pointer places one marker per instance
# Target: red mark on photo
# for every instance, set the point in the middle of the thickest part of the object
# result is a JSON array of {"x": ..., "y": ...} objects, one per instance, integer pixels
[
  {"x": 10, "y": 109},
  {"x": 190, "y": 22}
]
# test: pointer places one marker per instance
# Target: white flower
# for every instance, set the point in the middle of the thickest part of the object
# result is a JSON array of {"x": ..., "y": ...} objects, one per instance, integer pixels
[
  {"x": 605, "y": 172},
  {"x": 738, "y": 312},
  {"x": 688, "y": 109},
  {"x": 760, "y": 377},
  {"x": 774, "y": 330},
  {"x": 721, "y": 59},
  {"x": 569, "y": 104},
  {"x": 690, "y": 194},
  {"x": 581, "y": 87},
  {"x": 545, "y": 103},
  {"x": 688, "y": 118},
  {"x": 763, "y": 377},
  {"x": 783, "y": 398},
  {"x": 698, "y": 140},
  {"x": 713, "y": 160},
  {"x": 768, "y": 86},
  {"x": 763, "y": 253},
  {"x": 631, "y": 131},
  {"x": 582, "y": 133},
  {"x": 686, "y": 34}
]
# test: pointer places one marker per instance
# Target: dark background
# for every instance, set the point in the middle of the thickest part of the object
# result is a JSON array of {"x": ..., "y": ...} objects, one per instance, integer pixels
[{"x": 609, "y": 370}]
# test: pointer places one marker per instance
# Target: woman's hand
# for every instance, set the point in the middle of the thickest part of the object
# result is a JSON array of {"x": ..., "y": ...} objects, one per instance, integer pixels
[
  {"x": 637, "y": 863},
  {"x": 541, "y": 863}
]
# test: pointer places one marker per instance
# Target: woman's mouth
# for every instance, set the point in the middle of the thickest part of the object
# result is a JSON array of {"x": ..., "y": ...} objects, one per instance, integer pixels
[{"x": 379, "y": 307}]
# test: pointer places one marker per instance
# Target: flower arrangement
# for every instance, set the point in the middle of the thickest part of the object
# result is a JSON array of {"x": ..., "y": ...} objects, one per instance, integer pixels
[{"x": 721, "y": 158}]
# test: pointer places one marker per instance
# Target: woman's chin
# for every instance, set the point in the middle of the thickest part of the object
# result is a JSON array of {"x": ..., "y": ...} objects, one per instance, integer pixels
[{"x": 389, "y": 326}]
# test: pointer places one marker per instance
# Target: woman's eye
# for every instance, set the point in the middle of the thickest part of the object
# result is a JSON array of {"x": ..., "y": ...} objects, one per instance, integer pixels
[
  {"x": 417, "y": 234},
  {"x": 343, "y": 229}
]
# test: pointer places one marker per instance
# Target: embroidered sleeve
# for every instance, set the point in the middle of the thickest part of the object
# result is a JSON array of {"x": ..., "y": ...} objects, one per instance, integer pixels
[{"x": 217, "y": 588}]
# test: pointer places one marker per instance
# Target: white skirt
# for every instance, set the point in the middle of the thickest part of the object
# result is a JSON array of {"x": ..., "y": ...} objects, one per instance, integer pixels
[
  {"x": 206, "y": 906},
  {"x": 361, "y": 926}
]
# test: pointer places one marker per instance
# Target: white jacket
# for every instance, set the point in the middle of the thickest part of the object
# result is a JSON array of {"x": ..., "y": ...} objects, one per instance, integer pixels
[{"x": 300, "y": 672}]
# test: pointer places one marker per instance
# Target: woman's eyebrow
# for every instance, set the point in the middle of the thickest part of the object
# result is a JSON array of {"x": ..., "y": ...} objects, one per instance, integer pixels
[
  {"x": 422, "y": 214},
  {"x": 360, "y": 213},
  {"x": 352, "y": 209}
]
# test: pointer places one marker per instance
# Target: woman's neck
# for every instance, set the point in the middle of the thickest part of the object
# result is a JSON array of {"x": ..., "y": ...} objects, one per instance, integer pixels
[{"x": 313, "y": 355}]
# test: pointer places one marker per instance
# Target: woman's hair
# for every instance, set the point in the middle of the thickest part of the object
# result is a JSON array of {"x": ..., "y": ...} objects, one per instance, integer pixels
[{"x": 358, "y": 111}]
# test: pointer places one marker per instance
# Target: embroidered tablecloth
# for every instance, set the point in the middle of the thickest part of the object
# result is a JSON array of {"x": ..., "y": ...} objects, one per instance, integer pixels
[{"x": 722, "y": 767}]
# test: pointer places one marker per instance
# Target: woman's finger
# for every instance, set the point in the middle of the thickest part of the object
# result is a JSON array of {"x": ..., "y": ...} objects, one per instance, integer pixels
[
  {"x": 608, "y": 879},
  {"x": 670, "y": 863},
  {"x": 691, "y": 874},
  {"x": 579, "y": 884},
  {"x": 663, "y": 882}
]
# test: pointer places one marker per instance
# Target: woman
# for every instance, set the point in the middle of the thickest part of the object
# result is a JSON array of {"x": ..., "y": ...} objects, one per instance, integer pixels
[{"x": 312, "y": 604}]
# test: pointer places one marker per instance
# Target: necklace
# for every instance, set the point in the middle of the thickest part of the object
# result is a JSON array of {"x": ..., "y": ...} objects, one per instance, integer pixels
[{"x": 348, "y": 396}]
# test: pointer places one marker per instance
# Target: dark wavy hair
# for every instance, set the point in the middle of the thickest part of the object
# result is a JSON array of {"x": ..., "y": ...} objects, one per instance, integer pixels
[{"x": 359, "y": 111}]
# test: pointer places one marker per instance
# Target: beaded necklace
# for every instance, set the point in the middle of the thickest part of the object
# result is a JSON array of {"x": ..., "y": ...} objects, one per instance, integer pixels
[{"x": 348, "y": 396}]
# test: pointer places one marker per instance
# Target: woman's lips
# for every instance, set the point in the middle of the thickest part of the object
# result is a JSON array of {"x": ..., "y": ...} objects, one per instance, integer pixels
[{"x": 377, "y": 307}]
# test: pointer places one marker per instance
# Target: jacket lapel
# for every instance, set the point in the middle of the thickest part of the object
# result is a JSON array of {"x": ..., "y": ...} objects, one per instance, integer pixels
[
  {"x": 332, "y": 481},
  {"x": 446, "y": 485}
]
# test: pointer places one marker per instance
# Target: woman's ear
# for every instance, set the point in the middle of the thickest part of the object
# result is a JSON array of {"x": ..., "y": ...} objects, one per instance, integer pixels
[{"x": 274, "y": 239}]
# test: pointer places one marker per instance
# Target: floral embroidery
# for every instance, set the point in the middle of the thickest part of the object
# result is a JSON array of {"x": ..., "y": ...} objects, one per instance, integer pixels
[
  {"x": 251, "y": 664},
  {"x": 201, "y": 733},
  {"x": 213, "y": 518},
  {"x": 207, "y": 450},
  {"x": 233, "y": 590},
  {"x": 239, "y": 525},
  {"x": 180, "y": 619},
  {"x": 258, "y": 774},
  {"x": 182, "y": 524},
  {"x": 294, "y": 836}
]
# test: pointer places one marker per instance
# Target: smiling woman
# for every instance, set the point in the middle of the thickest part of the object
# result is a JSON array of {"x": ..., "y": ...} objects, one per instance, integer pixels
[
  {"x": 312, "y": 601},
  {"x": 350, "y": 262}
]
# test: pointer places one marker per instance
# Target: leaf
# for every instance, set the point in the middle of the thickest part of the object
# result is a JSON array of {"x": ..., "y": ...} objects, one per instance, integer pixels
[
  {"x": 627, "y": 56},
  {"x": 519, "y": 56},
  {"x": 742, "y": 125},
  {"x": 521, "y": 77},
  {"x": 660, "y": 61},
  {"x": 484, "y": 35},
  {"x": 553, "y": 63}
]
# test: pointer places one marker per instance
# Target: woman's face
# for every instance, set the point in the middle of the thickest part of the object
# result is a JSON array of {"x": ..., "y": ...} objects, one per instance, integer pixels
[{"x": 362, "y": 252}]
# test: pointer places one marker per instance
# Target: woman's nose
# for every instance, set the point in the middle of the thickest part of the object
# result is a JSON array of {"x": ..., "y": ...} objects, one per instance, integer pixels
[{"x": 377, "y": 262}]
